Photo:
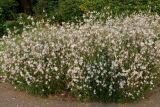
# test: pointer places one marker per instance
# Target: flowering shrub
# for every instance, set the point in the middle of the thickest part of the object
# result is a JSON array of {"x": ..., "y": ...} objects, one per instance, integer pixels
[{"x": 113, "y": 61}]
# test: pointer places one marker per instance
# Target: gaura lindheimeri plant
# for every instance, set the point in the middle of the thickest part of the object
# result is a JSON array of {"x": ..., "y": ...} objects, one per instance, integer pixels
[{"x": 117, "y": 60}]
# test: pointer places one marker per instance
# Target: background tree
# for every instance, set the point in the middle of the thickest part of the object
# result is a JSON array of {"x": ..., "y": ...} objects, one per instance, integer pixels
[{"x": 26, "y": 6}]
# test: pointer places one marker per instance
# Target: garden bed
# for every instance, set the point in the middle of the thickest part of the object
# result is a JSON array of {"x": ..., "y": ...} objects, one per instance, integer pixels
[{"x": 113, "y": 61}]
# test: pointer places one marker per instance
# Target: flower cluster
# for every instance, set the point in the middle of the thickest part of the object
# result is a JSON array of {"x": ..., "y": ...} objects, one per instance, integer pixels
[{"x": 116, "y": 60}]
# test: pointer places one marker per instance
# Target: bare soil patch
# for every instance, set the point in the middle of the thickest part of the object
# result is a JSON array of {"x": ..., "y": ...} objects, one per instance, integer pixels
[{"x": 9, "y": 97}]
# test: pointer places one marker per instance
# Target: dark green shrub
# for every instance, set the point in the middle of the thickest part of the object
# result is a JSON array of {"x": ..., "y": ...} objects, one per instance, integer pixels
[
  {"x": 9, "y": 9},
  {"x": 62, "y": 10},
  {"x": 1, "y": 22},
  {"x": 68, "y": 10}
]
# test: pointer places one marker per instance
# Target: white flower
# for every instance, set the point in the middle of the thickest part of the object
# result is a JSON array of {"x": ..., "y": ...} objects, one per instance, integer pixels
[{"x": 119, "y": 53}]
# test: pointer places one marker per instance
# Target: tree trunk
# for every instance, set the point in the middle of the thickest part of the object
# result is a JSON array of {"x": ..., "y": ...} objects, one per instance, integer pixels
[{"x": 26, "y": 5}]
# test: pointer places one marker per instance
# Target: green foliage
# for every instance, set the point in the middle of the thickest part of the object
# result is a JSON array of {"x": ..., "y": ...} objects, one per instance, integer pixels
[
  {"x": 1, "y": 22},
  {"x": 68, "y": 10},
  {"x": 73, "y": 10},
  {"x": 62, "y": 10},
  {"x": 125, "y": 7},
  {"x": 8, "y": 11}
]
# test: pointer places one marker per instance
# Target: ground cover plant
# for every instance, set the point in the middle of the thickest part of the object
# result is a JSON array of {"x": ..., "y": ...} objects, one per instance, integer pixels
[{"x": 112, "y": 61}]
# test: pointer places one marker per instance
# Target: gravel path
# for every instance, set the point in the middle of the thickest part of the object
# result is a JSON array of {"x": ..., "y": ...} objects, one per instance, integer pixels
[{"x": 9, "y": 97}]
